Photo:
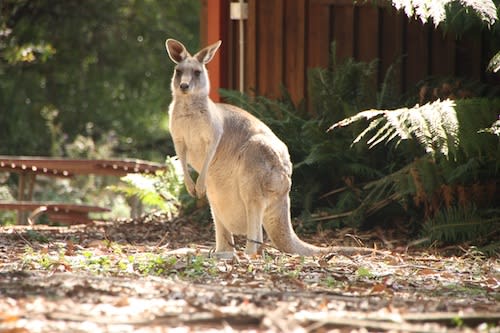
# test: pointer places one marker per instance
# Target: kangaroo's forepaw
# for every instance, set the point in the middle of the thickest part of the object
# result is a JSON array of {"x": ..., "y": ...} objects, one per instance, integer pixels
[
  {"x": 200, "y": 190},
  {"x": 190, "y": 188}
]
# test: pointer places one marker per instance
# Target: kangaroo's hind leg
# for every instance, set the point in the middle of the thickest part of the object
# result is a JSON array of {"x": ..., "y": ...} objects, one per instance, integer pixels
[
  {"x": 224, "y": 241},
  {"x": 254, "y": 213}
]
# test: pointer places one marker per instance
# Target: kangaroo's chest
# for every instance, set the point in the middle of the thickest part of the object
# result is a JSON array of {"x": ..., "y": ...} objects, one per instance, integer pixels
[{"x": 195, "y": 130}]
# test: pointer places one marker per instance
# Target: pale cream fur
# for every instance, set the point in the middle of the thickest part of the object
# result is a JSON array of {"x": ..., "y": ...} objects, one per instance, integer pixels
[{"x": 242, "y": 166}]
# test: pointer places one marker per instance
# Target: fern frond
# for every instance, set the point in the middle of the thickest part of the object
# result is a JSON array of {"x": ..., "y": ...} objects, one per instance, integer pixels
[
  {"x": 5, "y": 193},
  {"x": 359, "y": 116},
  {"x": 372, "y": 126},
  {"x": 161, "y": 190},
  {"x": 433, "y": 125},
  {"x": 427, "y": 10},
  {"x": 460, "y": 224},
  {"x": 387, "y": 131},
  {"x": 494, "y": 64},
  {"x": 494, "y": 129}
]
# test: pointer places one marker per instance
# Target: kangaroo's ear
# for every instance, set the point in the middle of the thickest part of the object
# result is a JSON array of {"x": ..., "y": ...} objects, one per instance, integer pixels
[
  {"x": 206, "y": 55},
  {"x": 176, "y": 51}
]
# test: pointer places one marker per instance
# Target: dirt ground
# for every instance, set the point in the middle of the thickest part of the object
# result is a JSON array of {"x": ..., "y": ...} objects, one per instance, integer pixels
[{"x": 152, "y": 275}]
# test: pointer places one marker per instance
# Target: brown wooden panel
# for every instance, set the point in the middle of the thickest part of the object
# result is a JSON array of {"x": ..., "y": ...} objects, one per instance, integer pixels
[
  {"x": 391, "y": 47},
  {"x": 294, "y": 56},
  {"x": 343, "y": 31},
  {"x": 270, "y": 49},
  {"x": 417, "y": 50},
  {"x": 442, "y": 54},
  {"x": 318, "y": 35},
  {"x": 216, "y": 25},
  {"x": 367, "y": 33},
  {"x": 468, "y": 57},
  {"x": 203, "y": 22}
]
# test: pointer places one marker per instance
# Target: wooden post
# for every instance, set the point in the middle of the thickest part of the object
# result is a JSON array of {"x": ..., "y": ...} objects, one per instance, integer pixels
[
  {"x": 21, "y": 215},
  {"x": 216, "y": 29}
]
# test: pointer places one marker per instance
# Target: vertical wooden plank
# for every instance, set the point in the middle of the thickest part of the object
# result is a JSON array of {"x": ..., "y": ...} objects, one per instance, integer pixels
[
  {"x": 343, "y": 31},
  {"x": 442, "y": 53},
  {"x": 417, "y": 50},
  {"x": 203, "y": 22},
  {"x": 367, "y": 33},
  {"x": 469, "y": 54},
  {"x": 224, "y": 35},
  {"x": 216, "y": 29},
  {"x": 391, "y": 46},
  {"x": 318, "y": 37},
  {"x": 294, "y": 54},
  {"x": 270, "y": 50},
  {"x": 251, "y": 48},
  {"x": 366, "y": 38}
]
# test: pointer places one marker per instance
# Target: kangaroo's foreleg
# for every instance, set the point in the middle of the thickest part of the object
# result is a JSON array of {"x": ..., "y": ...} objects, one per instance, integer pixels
[
  {"x": 201, "y": 181},
  {"x": 181, "y": 151}
]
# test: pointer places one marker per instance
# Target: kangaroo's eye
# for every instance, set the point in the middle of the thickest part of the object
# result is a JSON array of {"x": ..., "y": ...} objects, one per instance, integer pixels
[
  {"x": 178, "y": 72},
  {"x": 197, "y": 73}
]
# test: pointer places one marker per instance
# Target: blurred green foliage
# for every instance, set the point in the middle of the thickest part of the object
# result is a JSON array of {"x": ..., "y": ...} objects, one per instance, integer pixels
[{"x": 95, "y": 68}]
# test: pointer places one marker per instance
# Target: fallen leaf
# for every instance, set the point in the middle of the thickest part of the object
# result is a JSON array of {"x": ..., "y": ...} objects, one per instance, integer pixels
[
  {"x": 426, "y": 271},
  {"x": 123, "y": 301},
  {"x": 378, "y": 288},
  {"x": 447, "y": 275},
  {"x": 70, "y": 248},
  {"x": 6, "y": 318}
]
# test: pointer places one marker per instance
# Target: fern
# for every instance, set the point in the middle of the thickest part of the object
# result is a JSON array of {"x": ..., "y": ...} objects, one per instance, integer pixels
[
  {"x": 427, "y": 10},
  {"x": 453, "y": 129},
  {"x": 461, "y": 224},
  {"x": 491, "y": 249},
  {"x": 494, "y": 129},
  {"x": 494, "y": 64},
  {"x": 434, "y": 126},
  {"x": 5, "y": 193},
  {"x": 457, "y": 166},
  {"x": 162, "y": 190}
]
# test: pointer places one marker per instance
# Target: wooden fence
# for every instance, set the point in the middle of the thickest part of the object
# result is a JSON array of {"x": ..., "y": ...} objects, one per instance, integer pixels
[{"x": 283, "y": 38}]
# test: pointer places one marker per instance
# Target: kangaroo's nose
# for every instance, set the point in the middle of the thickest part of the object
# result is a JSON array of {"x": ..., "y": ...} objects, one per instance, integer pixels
[{"x": 184, "y": 86}]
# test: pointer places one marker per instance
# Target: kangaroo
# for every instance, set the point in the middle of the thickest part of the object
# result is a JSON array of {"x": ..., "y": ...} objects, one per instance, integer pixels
[{"x": 243, "y": 168}]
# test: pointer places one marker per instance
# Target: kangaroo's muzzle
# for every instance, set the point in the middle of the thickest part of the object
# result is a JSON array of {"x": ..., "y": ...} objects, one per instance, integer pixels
[{"x": 184, "y": 87}]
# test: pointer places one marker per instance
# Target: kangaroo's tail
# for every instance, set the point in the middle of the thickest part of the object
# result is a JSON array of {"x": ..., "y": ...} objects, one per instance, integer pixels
[{"x": 278, "y": 226}]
